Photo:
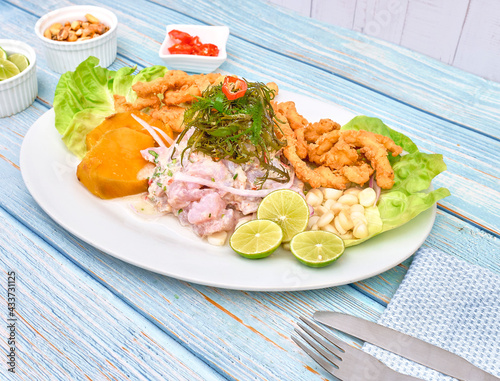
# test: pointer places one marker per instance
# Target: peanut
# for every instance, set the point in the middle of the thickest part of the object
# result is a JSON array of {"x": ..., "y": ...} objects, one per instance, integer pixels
[
  {"x": 55, "y": 28},
  {"x": 63, "y": 34},
  {"x": 72, "y": 36},
  {"x": 91, "y": 19},
  {"x": 76, "y": 30},
  {"x": 75, "y": 25}
]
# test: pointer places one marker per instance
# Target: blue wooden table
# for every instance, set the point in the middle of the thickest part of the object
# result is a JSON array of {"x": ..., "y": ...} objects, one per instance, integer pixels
[{"x": 84, "y": 315}]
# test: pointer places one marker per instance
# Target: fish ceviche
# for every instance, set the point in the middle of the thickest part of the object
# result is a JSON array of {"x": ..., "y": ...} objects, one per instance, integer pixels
[
  {"x": 224, "y": 162},
  {"x": 208, "y": 148}
]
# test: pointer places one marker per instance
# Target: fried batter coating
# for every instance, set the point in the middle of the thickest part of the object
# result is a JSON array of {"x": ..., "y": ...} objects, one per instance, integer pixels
[
  {"x": 274, "y": 87},
  {"x": 375, "y": 148},
  {"x": 176, "y": 86},
  {"x": 317, "y": 177},
  {"x": 358, "y": 174},
  {"x": 166, "y": 98},
  {"x": 341, "y": 157},
  {"x": 171, "y": 115},
  {"x": 315, "y": 130},
  {"x": 288, "y": 109},
  {"x": 296, "y": 122}
]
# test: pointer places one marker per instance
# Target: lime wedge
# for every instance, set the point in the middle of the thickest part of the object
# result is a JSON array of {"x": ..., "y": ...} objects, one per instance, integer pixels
[
  {"x": 317, "y": 248},
  {"x": 7, "y": 70},
  {"x": 256, "y": 239},
  {"x": 19, "y": 60},
  {"x": 288, "y": 209},
  {"x": 3, "y": 54}
]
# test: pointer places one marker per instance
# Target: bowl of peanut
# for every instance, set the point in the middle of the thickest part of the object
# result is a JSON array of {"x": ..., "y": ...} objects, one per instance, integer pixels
[{"x": 71, "y": 34}]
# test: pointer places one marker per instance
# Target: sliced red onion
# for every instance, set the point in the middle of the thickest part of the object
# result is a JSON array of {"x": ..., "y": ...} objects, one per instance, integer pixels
[
  {"x": 167, "y": 138},
  {"x": 149, "y": 129},
  {"x": 240, "y": 192}
]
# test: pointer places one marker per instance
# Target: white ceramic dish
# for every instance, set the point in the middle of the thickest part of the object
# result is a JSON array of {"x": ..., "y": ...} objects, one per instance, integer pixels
[
  {"x": 162, "y": 245},
  {"x": 18, "y": 92},
  {"x": 216, "y": 35},
  {"x": 63, "y": 56}
]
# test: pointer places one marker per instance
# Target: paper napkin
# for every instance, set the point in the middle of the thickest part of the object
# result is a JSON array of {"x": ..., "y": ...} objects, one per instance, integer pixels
[{"x": 449, "y": 303}]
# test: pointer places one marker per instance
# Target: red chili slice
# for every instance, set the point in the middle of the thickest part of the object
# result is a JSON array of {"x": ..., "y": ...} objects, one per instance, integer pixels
[
  {"x": 209, "y": 50},
  {"x": 187, "y": 44},
  {"x": 181, "y": 49},
  {"x": 180, "y": 36},
  {"x": 234, "y": 88}
]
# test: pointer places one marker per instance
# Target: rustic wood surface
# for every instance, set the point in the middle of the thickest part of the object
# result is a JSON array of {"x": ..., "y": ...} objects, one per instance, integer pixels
[
  {"x": 84, "y": 315},
  {"x": 461, "y": 33}
]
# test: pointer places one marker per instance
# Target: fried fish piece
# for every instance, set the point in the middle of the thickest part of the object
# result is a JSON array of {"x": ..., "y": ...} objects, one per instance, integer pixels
[
  {"x": 340, "y": 157},
  {"x": 316, "y": 177},
  {"x": 296, "y": 122},
  {"x": 314, "y": 131},
  {"x": 375, "y": 148},
  {"x": 166, "y": 98},
  {"x": 171, "y": 115}
]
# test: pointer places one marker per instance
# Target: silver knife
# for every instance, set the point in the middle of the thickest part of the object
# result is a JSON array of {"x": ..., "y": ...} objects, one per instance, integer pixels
[{"x": 404, "y": 345}]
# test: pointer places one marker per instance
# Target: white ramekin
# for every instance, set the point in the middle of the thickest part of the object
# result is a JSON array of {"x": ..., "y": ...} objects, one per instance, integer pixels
[
  {"x": 20, "y": 91},
  {"x": 63, "y": 56},
  {"x": 217, "y": 35}
]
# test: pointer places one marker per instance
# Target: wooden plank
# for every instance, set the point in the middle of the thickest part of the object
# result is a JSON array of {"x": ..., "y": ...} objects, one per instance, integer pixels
[
  {"x": 383, "y": 19},
  {"x": 478, "y": 50},
  {"x": 434, "y": 27},
  {"x": 69, "y": 327},
  {"x": 302, "y": 7},
  {"x": 336, "y": 12}
]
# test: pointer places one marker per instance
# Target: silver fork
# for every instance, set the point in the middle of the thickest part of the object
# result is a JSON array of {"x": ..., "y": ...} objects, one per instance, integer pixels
[{"x": 344, "y": 361}]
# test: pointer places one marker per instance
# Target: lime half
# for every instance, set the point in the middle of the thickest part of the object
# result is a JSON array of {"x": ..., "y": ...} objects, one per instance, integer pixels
[
  {"x": 256, "y": 238},
  {"x": 3, "y": 54},
  {"x": 317, "y": 248},
  {"x": 288, "y": 209},
  {"x": 7, "y": 70},
  {"x": 19, "y": 60}
]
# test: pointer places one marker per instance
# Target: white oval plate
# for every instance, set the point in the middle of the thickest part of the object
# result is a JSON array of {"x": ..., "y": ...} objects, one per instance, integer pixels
[{"x": 162, "y": 245}]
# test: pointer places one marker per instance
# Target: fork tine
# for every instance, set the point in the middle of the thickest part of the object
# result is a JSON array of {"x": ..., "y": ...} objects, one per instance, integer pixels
[
  {"x": 318, "y": 340},
  {"x": 317, "y": 344},
  {"x": 342, "y": 345},
  {"x": 320, "y": 360}
]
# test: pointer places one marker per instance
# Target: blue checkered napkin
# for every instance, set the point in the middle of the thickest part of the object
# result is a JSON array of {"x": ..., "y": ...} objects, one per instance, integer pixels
[{"x": 449, "y": 303}]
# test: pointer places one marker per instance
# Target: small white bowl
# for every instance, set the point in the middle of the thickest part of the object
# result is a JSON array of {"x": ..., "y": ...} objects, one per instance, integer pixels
[
  {"x": 18, "y": 92},
  {"x": 216, "y": 35},
  {"x": 63, "y": 56}
]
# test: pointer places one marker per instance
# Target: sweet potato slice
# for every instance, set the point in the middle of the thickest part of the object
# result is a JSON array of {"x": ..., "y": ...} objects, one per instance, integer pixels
[
  {"x": 124, "y": 119},
  {"x": 110, "y": 169}
]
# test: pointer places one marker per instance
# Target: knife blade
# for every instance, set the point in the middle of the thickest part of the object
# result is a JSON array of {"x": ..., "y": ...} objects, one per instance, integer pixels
[{"x": 404, "y": 345}]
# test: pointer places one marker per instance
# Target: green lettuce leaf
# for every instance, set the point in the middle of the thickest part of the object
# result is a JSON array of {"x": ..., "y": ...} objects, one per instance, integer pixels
[
  {"x": 413, "y": 174},
  {"x": 408, "y": 197},
  {"x": 84, "y": 98}
]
